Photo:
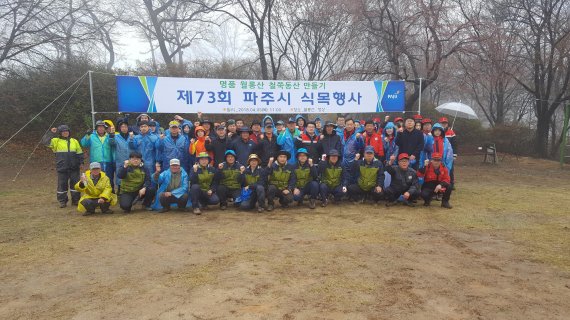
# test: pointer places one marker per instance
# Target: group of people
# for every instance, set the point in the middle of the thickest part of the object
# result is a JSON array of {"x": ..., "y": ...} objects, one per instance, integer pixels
[{"x": 202, "y": 163}]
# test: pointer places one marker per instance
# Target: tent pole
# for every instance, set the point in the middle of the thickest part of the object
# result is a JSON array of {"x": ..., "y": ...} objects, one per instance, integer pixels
[
  {"x": 420, "y": 98},
  {"x": 92, "y": 104}
]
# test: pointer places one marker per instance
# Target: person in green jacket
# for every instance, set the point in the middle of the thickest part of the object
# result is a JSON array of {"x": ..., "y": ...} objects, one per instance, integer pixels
[
  {"x": 204, "y": 183},
  {"x": 136, "y": 183},
  {"x": 332, "y": 177},
  {"x": 306, "y": 174},
  {"x": 367, "y": 176},
  {"x": 228, "y": 176},
  {"x": 281, "y": 181},
  {"x": 254, "y": 179}
]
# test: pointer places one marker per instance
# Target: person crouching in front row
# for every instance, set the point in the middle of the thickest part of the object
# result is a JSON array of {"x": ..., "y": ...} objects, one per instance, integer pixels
[
  {"x": 204, "y": 181},
  {"x": 254, "y": 179},
  {"x": 96, "y": 191},
  {"x": 135, "y": 183},
  {"x": 172, "y": 186},
  {"x": 436, "y": 181},
  {"x": 333, "y": 178},
  {"x": 404, "y": 182},
  {"x": 281, "y": 181}
]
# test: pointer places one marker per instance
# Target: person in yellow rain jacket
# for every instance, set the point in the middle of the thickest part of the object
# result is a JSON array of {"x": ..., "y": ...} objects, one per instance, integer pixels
[
  {"x": 96, "y": 191},
  {"x": 68, "y": 161}
]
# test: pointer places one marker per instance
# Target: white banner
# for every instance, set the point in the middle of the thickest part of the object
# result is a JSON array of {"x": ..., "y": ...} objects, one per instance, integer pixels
[{"x": 215, "y": 96}]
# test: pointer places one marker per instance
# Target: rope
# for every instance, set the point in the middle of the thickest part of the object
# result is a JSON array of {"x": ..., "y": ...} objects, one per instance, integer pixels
[
  {"x": 50, "y": 126},
  {"x": 44, "y": 109}
]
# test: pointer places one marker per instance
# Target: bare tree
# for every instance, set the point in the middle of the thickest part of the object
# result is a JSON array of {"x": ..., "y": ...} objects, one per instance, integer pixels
[
  {"x": 25, "y": 30},
  {"x": 417, "y": 36},
  {"x": 324, "y": 40},
  {"x": 543, "y": 31},
  {"x": 173, "y": 24},
  {"x": 271, "y": 38}
]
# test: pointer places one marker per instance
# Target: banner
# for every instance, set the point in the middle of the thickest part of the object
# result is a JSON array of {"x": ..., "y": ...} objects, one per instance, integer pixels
[{"x": 187, "y": 95}]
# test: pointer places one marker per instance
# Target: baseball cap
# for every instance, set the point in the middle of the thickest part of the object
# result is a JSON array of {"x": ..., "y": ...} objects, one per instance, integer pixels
[{"x": 94, "y": 165}]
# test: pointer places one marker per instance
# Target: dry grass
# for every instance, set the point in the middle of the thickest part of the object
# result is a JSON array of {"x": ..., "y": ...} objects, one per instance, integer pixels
[{"x": 509, "y": 221}]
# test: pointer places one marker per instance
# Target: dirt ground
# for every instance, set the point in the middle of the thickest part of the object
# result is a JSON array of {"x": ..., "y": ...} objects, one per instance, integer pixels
[{"x": 503, "y": 252}]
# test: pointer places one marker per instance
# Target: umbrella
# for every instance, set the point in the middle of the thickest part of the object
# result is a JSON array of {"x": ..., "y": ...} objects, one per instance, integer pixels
[{"x": 457, "y": 109}]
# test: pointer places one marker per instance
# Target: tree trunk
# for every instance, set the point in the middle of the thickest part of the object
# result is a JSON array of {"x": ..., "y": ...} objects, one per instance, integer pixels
[{"x": 541, "y": 140}]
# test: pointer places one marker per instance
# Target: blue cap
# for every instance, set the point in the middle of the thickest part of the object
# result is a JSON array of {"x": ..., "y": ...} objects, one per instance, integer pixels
[
  {"x": 233, "y": 153},
  {"x": 369, "y": 149},
  {"x": 302, "y": 150},
  {"x": 291, "y": 120}
]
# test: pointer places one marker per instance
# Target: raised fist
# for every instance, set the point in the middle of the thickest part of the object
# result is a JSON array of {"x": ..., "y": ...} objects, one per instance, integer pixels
[
  {"x": 221, "y": 166},
  {"x": 195, "y": 168},
  {"x": 241, "y": 169},
  {"x": 53, "y": 130}
]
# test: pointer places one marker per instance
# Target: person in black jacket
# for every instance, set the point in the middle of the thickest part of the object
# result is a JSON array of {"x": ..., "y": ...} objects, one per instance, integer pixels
[
  {"x": 267, "y": 148},
  {"x": 404, "y": 182},
  {"x": 135, "y": 183},
  {"x": 218, "y": 145},
  {"x": 411, "y": 142},
  {"x": 329, "y": 140},
  {"x": 309, "y": 140},
  {"x": 243, "y": 146}
]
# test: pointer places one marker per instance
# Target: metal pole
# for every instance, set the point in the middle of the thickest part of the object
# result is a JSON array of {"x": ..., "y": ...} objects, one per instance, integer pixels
[
  {"x": 564, "y": 143},
  {"x": 420, "y": 98},
  {"x": 92, "y": 104}
]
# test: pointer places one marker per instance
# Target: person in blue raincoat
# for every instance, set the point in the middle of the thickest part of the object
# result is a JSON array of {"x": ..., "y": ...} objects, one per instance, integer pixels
[
  {"x": 173, "y": 146},
  {"x": 120, "y": 146},
  {"x": 100, "y": 149},
  {"x": 172, "y": 187},
  {"x": 146, "y": 143},
  {"x": 389, "y": 134},
  {"x": 391, "y": 149},
  {"x": 154, "y": 127},
  {"x": 353, "y": 144},
  {"x": 286, "y": 140},
  {"x": 438, "y": 142},
  {"x": 188, "y": 160}
]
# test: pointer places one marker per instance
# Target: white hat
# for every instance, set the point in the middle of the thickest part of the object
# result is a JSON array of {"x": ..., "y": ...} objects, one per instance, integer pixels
[
  {"x": 94, "y": 165},
  {"x": 174, "y": 162}
]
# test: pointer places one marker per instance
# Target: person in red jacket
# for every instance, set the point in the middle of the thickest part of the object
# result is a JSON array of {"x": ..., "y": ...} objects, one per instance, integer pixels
[
  {"x": 374, "y": 139},
  {"x": 436, "y": 181}
]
